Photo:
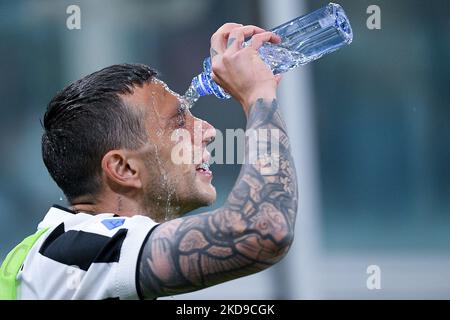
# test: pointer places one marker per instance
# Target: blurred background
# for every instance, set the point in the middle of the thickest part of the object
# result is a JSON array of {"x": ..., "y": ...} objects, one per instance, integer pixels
[{"x": 369, "y": 127}]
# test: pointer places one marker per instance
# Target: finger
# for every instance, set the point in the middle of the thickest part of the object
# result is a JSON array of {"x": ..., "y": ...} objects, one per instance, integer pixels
[
  {"x": 247, "y": 31},
  {"x": 219, "y": 38},
  {"x": 238, "y": 35},
  {"x": 227, "y": 27},
  {"x": 258, "y": 40}
]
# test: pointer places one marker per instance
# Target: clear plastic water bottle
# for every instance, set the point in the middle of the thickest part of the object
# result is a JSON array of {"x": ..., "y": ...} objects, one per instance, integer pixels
[{"x": 303, "y": 39}]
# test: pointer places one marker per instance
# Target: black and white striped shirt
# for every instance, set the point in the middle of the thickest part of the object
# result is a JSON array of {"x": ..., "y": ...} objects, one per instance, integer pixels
[{"x": 84, "y": 256}]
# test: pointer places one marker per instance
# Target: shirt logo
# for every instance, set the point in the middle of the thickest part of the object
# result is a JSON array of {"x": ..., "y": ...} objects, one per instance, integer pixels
[{"x": 113, "y": 223}]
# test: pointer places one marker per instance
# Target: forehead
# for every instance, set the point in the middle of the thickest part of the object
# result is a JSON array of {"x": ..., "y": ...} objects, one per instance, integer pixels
[{"x": 154, "y": 96}]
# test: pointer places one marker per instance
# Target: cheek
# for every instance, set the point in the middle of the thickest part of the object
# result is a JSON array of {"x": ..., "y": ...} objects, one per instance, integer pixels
[
  {"x": 185, "y": 169},
  {"x": 178, "y": 158},
  {"x": 180, "y": 150}
]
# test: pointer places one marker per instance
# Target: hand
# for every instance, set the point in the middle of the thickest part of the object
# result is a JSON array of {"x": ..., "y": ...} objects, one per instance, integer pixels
[{"x": 240, "y": 71}]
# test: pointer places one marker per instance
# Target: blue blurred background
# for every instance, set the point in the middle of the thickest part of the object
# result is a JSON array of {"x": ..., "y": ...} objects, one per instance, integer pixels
[{"x": 369, "y": 126}]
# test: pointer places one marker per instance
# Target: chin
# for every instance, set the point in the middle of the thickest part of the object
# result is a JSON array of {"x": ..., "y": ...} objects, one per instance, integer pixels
[
  {"x": 211, "y": 197},
  {"x": 206, "y": 196}
]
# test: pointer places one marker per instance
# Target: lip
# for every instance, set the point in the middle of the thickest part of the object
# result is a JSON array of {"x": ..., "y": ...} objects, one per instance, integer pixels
[
  {"x": 205, "y": 160},
  {"x": 204, "y": 174}
]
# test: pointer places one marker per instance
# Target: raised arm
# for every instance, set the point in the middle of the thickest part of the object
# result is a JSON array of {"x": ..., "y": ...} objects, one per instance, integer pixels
[{"x": 254, "y": 228}]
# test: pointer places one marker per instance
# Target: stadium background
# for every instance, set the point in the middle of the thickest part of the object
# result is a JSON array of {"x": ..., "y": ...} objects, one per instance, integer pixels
[{"x": 369, "y": 126}]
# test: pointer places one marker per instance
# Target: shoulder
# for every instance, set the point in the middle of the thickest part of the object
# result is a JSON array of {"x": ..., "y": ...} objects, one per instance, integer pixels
[
  {"x": 86, "y": 239},
  {"x": 103, "y": 248}
]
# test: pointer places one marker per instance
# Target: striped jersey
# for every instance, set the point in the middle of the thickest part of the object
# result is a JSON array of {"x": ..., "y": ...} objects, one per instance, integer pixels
[{"x": 84, "y": 256}]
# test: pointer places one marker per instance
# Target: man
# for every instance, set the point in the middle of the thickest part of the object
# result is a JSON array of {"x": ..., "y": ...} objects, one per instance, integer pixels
[{"x": 108, "y": 144}]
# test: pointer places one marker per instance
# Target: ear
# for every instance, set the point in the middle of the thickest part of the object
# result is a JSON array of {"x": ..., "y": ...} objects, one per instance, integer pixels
[{"x": 122, "y": 169}]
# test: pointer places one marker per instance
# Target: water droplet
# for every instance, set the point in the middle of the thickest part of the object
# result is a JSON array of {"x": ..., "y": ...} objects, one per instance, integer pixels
[
  {"x": 187, "y": 100},
  {"x": 190, "y": 97}
]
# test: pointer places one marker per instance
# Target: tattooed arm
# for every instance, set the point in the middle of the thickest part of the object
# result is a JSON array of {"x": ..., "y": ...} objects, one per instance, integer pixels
[{"x": 254, "y": 228}]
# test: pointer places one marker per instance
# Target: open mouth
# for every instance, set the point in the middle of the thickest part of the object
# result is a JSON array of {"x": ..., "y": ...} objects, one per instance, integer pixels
[{"x": 203, "y": 168}]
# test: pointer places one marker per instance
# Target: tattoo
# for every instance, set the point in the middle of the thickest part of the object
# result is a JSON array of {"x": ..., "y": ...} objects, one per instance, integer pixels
[
  {"x": 230, "y": 42},
  {"x": 119, "y": 204},
  {"x": 212, "y": 53},
  {"x": 250, "y": 232}
]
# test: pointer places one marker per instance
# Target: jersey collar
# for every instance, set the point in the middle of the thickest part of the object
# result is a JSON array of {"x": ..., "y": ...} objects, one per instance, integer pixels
[{"x": 55, "y": 216}]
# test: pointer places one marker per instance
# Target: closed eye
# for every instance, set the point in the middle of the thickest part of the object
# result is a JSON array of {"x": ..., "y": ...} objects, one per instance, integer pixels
[{"x": 181, "y": 117}]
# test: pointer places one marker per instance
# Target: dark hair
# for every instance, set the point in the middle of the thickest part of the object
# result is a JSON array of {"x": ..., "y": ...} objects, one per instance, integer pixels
[{"x": 86, "y": 120}]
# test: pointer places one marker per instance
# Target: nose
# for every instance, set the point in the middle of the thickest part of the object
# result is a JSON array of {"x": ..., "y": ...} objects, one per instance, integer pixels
[{"x": 208, "y": 132}]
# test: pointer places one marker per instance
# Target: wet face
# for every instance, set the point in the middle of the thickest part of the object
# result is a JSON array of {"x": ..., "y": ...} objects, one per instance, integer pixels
[{"x": 176, "y": 177}]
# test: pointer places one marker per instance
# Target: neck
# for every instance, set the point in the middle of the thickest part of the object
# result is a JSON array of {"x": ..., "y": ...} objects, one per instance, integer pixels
[
  {"x": 123, "y": 206},
  {"x": 113, "y": 203}
]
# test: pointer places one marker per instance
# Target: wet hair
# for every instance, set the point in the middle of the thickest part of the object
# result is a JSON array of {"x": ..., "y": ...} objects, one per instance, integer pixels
[{"x": 87, "y": 119}]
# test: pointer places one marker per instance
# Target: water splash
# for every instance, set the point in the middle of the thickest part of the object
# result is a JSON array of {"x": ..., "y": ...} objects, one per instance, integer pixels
[
  {"x": 159, "y": 132},
  {"x": 188, "y": 100},
  {"x": 166, "y": 185},
  {"x": 190, "y": 97}
]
